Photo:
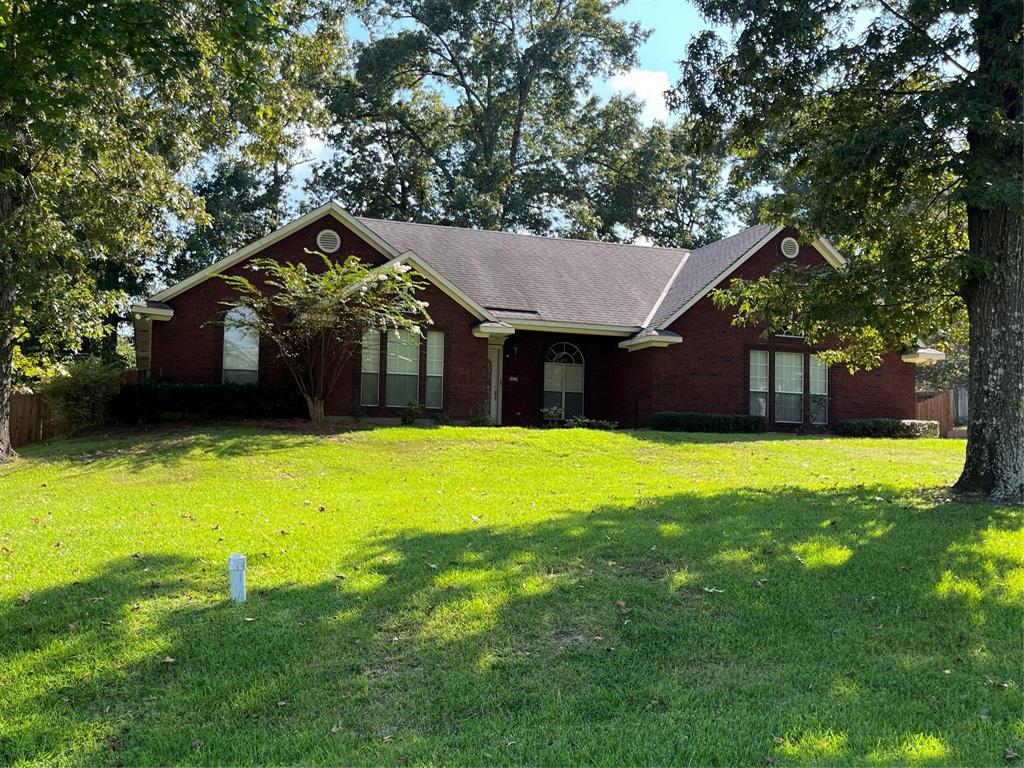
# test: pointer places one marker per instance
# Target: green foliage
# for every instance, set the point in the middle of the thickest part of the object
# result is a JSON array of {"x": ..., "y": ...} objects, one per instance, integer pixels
[
  {"x": 582, "y": 422},
  {"x": 411, "y": 412},
  {"x": 105, "y": 109},
  {"x": 481, "y": 114},
  {"x": 242, "y": 201},
  {"x": 887, "y": 428},
  {"x": 861, "y": 136},
  {"x": 481, "y": 417},
  {"x": 81, "y": 396},
  {"x": 317, "y": 319},
  {"x": 153, "y": 400},
  {"x": 677, "y": 421}
]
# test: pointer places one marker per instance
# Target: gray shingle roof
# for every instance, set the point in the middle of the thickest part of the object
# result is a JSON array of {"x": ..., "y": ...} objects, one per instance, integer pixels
[
  {"x": 704, "y": 266},
  {"x": 559, "y": 280}
]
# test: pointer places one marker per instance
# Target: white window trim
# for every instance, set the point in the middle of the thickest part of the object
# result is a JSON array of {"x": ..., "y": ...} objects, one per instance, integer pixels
[{"x": 428, "y": 375}]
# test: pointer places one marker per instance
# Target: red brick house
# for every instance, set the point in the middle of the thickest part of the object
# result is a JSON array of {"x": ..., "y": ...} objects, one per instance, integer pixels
[{"x": 521, "y": 322}]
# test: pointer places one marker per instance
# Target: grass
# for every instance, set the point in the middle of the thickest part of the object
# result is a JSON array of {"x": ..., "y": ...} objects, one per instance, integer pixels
[{"x": 481, "y": 596}]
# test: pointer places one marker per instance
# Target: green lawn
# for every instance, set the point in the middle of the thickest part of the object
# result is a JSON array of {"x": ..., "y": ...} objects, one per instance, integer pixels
[{"x": 505, "y": 596}]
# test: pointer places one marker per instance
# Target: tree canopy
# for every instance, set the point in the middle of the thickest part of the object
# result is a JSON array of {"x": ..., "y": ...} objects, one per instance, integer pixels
[{"x": 896, "y": 129}]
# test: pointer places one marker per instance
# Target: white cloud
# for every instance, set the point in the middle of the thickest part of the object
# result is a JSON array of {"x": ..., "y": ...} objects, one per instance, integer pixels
[{"x": 649, "y": 86}]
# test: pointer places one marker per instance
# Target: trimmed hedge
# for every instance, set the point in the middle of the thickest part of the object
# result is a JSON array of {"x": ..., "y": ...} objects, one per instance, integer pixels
[
  {"x": 153, "y": 400},
  {"x": 887, "y": 428},
  {"x": 675, "y": 421}
]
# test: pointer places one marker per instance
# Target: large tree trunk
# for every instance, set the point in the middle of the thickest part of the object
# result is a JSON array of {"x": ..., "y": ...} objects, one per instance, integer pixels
[{"x": 995, "y": 305}]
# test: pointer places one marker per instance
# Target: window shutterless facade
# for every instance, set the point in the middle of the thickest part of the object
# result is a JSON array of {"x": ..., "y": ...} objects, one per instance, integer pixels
[
  {"x": 403, "y": 368},
  {"x": 369, "y": 376},
  {"x": 818, "y": 391},
  {"x": 241, "y": 361},
  {"x": 789, "y": 387},
  {"x": 563, "y": 379},
  {"x": 759, "y": 382},
  {"x": 434, "y": 395}
]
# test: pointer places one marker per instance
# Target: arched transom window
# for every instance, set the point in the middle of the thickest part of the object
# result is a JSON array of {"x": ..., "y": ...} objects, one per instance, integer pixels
[
  {"x": 563, "y": 379},
  {"x": 241, "y": 362}
]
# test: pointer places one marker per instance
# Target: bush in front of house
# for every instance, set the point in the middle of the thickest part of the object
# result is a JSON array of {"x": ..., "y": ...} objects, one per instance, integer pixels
[
  {"x": 887, "y": 428},
  {"x": 153, "y": 400},
  {"x": 582, "y": 422},
  {"x": 677, "y": 421},
  {"x": 81, "y": 397}
]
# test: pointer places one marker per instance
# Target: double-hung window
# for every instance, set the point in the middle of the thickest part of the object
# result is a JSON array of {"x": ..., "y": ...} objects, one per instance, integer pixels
[
  {"x": 789, "y": 387},
  {"x": 818, "y": 391},
  {"x": 759, "y": 382},
  {"x": 434, "y": 394},
  {"x": 403, "y": 368},
  {"x": 369, "y": 376},
  {"x": 240, "y": 363}
]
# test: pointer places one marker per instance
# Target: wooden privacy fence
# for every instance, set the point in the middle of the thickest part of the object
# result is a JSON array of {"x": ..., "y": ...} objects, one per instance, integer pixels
[
  {"x": 31, "y": 421},
  {"x": 938, "y": 408}
]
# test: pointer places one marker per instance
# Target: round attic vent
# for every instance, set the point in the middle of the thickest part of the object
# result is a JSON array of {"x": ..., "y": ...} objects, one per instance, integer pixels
[
  {"x": 328, "y": 241},
  {"x": 790, "y": 248}
]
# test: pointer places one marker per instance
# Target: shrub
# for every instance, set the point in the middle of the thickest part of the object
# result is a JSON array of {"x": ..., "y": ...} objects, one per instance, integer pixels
[
  {"x": 481, "y": 417},
  {"x": 82, "y": 396},
  {"x": 153, "y": 399},
  {"x": 411, "y": 412},
  {"x": 442, "y": 419},
  {"x": 581, "y": 422},
  {"x": 887, "y": 428},
  {"x": 675, "y": 421},
  {"x": 551, "y": 413}
]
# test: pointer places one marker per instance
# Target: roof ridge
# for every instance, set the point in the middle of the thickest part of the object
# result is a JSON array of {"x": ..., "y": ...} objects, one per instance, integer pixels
[
  {"x": 527, "y": 234},
  {"x": 736, "y": 234},
  {"x": 664, "y": 291}
]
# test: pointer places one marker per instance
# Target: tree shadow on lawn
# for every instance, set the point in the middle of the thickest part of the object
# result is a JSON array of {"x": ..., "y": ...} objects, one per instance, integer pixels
[
  {"x": 168, "y": 446},
  {"x": 809, "y": 627}
]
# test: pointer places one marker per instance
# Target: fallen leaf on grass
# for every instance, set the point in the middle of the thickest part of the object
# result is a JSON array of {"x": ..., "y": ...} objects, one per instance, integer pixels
[
  {"x": 74, "y": 626},
  {"x": 167, "y": 660},
  {"x": 250, "y": 618},
  {"x": 24, "y": 597},
  {"x": 197, "y": 744},
  {"x": 713, "y": 590},
  {"x": 336, "y": 727},
  {"x": 1009, "y": 755},
  {"x": 283, "y": 703}
]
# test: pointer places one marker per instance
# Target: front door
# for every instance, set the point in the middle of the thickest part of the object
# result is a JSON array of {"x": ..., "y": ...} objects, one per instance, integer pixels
[{"x": 494, "y": 358}]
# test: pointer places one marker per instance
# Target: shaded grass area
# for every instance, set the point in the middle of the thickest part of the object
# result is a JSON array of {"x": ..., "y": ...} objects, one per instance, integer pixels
[{"x": 485, "y": 596}]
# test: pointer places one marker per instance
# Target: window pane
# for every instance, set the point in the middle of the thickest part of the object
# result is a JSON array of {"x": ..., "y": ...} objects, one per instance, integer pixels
[
  {"x": 435, "y": 353},
  {"x": 552, "y": 399},
  {"x": 241, "y": 345},
  {"x": 553, "y": 377},
  {"x": 758, "y": 370},
  {"x": 789, "y": 408},
  {"x": 239, "y": 377},
  {"x": 371, "y": 352},
  {"x": 434, "y": 392},
  {"x": 789, "y": 372},
  {"x": 573, "y": 404},
  {"x": 403, "y": 352},
  {"x": 402, "y": 390},
  {"x": 819, "y": 377},
  {"x": 819, "y": 409},
  {"x": 759, "y": 404},
  {"x": 369, "y": 389},
  {"x": 573, "y": 377}
]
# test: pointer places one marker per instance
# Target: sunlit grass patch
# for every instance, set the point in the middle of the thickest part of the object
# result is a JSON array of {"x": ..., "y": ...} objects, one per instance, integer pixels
[{"x": 592, "y": 597}]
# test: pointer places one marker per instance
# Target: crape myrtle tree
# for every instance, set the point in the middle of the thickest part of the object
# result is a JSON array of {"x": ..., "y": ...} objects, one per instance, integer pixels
[
  {"x": 894, "y": 127},
  {"x": 104, "y": 108},
  {"x": 481, "y": 114},
  {"x": 316, "y": 319}
]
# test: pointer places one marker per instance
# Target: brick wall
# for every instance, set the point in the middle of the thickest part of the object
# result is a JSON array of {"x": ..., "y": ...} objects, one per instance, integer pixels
[
  {"x": 708, "y": 371},
  {"x": 190, "y": 348}
]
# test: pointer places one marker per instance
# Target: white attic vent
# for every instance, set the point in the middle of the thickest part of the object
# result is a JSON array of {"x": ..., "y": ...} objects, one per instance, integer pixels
[
  {"x": 790, "y": 248},
  {"x": 328, "y": 241}
]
